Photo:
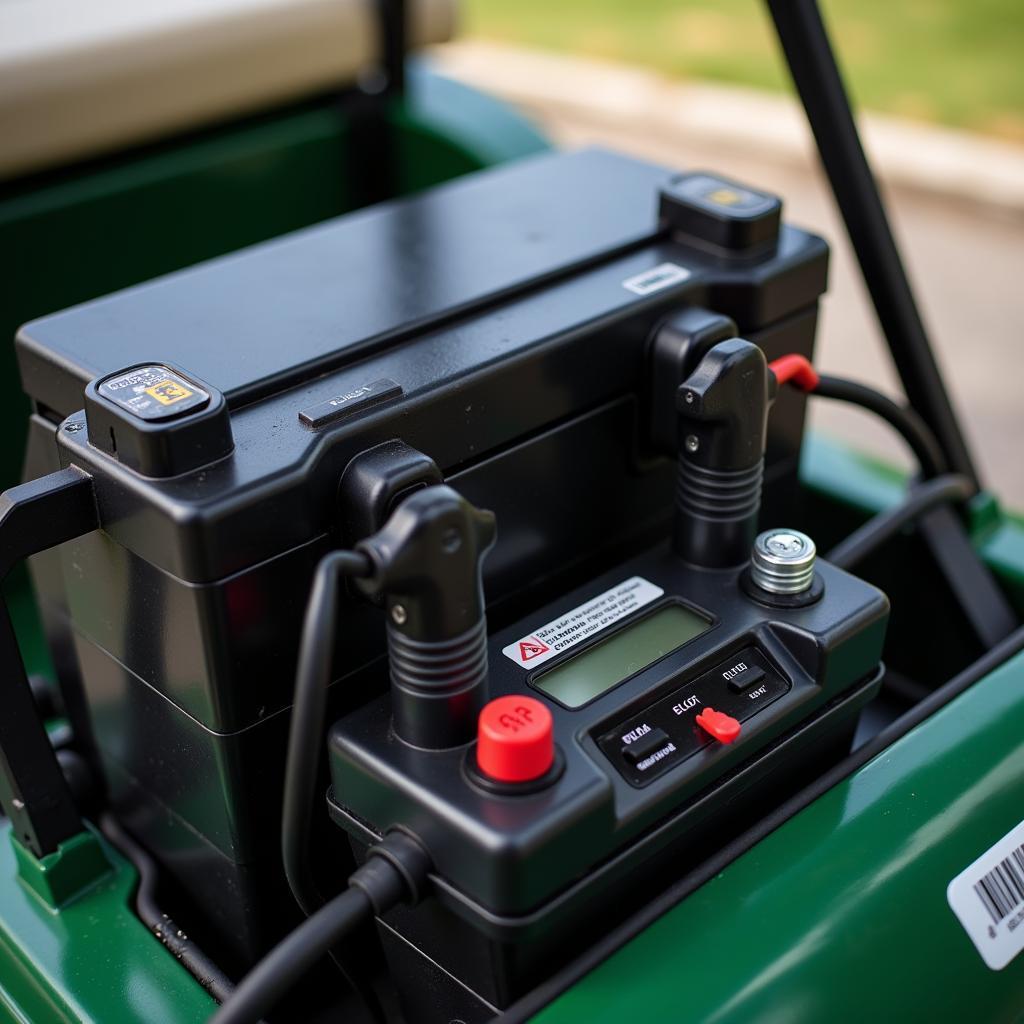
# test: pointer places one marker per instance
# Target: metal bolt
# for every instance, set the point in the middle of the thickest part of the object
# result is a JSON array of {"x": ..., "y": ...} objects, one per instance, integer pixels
[
  {"x": 688, "y": 398},
  {"x": 692, "y": 443},
  {"x": 399, "y": 615},
  {"x": 782, "y": 561},
  {"x": 73, "y": 428}
]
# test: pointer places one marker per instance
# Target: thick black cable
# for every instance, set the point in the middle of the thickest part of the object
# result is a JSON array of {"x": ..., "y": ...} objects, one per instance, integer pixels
[
  {"x": 312, "y": 678},
  {"x": 305, "y": 740},
  {"x": 284, "y": 965},
  {"x": 866, "y": 539},
  {"x": 613, "y": 940},
  {"x": 903, "y": 419},
  {"x": 394, "y": 871},
  {"x": 198, "y": 964}
]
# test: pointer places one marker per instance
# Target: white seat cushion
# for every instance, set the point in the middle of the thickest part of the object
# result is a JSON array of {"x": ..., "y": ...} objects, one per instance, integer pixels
[{"x": 80, "y": 77}]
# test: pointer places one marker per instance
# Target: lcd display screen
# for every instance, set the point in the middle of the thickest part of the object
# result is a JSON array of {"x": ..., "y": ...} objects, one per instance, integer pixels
[{"x": 608, "y": 663}]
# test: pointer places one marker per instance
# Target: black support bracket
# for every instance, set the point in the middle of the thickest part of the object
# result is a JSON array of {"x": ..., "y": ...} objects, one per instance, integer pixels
[{"x": 35, "y": 516}]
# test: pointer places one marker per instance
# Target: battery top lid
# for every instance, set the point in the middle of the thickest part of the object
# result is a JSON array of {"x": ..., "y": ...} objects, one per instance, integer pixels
[{"x": 274, "y": 314}]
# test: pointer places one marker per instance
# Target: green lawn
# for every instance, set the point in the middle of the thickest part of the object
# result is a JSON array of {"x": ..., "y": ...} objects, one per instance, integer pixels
[{"x": 959, "y": 62}]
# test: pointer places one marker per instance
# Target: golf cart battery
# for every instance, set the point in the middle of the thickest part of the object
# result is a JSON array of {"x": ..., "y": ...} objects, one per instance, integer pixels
[
  {"x": 674, "y": 707},
  {"x": 511, "y": 333}
]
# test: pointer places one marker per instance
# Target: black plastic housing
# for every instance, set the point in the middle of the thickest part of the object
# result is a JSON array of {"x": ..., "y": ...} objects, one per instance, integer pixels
[
  {"x": 514, "y": 310},
  {"x": 678, "y": 345},
  {"x": 521, "y": 879},
  {"x": 719, "y": 212},
  {"x": 375, "y": 481}
]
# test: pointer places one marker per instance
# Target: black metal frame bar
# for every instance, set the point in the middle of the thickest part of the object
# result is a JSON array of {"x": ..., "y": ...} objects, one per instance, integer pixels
[
  {"x": 819, "y": 83},
  {"x": 33, "y": 517},
  {"x": 374, "y": 152},
  {"x": 394, "y": 42}
]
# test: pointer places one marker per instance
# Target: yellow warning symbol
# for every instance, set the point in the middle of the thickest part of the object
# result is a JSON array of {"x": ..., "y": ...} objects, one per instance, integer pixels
[
  {"x": 724, "y": 197},
  {"x": 167, "y": 392}
]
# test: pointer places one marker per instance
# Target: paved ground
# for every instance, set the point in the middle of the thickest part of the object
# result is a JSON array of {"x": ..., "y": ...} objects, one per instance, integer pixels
[{"x": 967, "y": 262}]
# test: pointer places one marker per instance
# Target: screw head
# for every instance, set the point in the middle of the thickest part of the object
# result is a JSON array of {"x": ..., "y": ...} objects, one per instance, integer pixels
[
  {"x": 692, "y": 442},
  {"x": 399, "y": 615},
  {"x": 688, "y": 398},
  {"x": 74, "y": 427}
]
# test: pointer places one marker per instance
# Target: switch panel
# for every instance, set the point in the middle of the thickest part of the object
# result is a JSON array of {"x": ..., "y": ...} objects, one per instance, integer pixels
[{"x": 651, "y": 742}]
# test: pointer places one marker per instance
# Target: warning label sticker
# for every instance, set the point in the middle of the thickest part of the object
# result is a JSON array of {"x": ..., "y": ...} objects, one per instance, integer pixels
[{"x": 574, "y": 626}]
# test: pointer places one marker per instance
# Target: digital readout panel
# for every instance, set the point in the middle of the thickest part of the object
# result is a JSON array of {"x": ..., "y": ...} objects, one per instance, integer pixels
[{"x": 630, "y": 650}]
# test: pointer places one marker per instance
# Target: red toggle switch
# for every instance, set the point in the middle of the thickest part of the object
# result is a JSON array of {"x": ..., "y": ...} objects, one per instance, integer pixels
[
  {"x": 723, "y": 727},
  {"x": 515, "y": 739}
]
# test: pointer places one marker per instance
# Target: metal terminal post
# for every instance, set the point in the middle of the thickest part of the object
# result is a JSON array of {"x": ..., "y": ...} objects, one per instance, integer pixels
[{"x": 782, "y": 561}]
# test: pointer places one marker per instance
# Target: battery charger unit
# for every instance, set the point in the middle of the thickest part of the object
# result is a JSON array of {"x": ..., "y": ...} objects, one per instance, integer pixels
[{"x": 576, "y": 343}]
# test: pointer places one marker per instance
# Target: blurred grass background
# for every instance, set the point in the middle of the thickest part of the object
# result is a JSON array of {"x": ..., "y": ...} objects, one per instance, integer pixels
[{"x": 952, "y": 62}]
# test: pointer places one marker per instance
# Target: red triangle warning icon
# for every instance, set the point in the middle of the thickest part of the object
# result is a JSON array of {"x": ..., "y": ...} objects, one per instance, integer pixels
[{"x": 531, "y": 649}]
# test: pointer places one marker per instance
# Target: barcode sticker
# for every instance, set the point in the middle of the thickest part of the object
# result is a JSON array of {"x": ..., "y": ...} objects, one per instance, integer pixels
[{"x": 988, "y": 899}]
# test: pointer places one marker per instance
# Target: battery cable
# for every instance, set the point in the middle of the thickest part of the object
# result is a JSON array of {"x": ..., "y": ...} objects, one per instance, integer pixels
[
  {"x": 394, "y": 872},
  {"x": 927, "y": 504},
  {"x": 797, "y": 371},
  {"x": 302, "y": 765}
]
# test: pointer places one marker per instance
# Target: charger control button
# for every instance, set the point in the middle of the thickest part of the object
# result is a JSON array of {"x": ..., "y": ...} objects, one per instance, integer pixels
[
  {"x": 742, "y": 675},
  {"x": 721, "y": 726},
  {"x": 641, "y": 747},
  {"x": 515, "y": 739}
]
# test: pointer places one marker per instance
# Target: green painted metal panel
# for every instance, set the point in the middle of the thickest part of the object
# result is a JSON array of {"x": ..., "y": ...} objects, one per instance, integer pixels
[
  {"x": 475, "y": 128},
  {"x": 91, "y": 962},
  {"x": 841, "y": 914}
]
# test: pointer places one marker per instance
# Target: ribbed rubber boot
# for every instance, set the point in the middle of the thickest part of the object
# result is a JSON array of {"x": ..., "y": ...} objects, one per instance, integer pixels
[
  {"x": 438, "y": 687},
  {"x": 716, "y": 514}
]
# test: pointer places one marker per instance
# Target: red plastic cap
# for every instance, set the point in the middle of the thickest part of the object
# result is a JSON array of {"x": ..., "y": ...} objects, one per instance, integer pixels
[
  {"x": 515, "y": 739},
  {"x": 796, "y": 370},
  {"x": 723, "y": 727}
]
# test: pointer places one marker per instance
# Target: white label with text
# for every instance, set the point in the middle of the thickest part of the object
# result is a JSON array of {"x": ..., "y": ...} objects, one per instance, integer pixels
[
  {"x": 664, "y": 275},
  {"x": 574, "y": 626}
]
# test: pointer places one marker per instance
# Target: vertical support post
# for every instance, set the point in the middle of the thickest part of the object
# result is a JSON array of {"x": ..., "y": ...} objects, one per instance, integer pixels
[
  {"x": 374, "y": 145},
  {"x": 816, "y": 75},
  {"x": 394, "y": 33},
  {"x": 33, "y": 517}
]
